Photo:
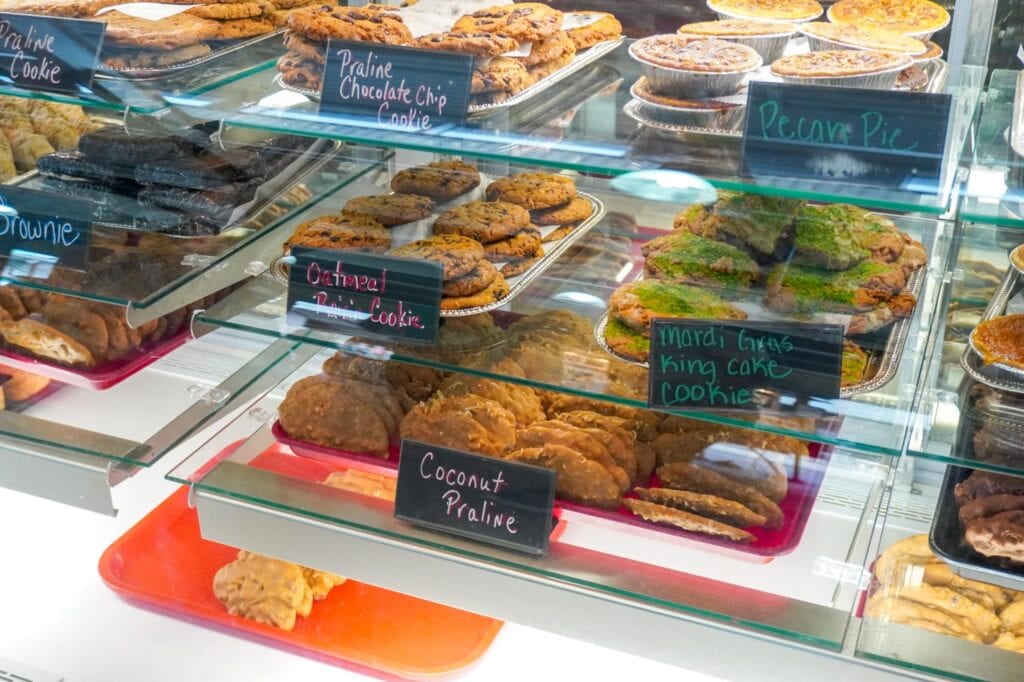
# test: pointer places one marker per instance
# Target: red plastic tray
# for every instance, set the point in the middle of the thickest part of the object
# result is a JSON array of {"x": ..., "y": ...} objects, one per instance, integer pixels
[
  {"x": 796, "y": 505},
  {"x": 102, "y": 376},
  {"x": 164, "y": 563}
]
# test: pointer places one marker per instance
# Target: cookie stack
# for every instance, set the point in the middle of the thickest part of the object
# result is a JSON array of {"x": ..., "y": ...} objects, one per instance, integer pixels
[
  {"x": 550, "y": 199},
  {"x": 310, "y": 28},
  {"x": 470, "y": 280}
]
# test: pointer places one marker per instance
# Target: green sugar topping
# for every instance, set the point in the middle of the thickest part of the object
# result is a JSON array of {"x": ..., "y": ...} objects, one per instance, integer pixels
[
  {"x": 686, "y": 257},
  {"x": 813, "y": 287},
  {"x": 635, "y": 342},
  {"x": 680, "y": 300}
]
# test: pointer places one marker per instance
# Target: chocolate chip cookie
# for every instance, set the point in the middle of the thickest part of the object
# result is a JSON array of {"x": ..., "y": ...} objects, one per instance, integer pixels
[
  {"x": 557, "y": 45},
  {"x": 392, "y": 209},
  {"x": 606, "y": 27},
  {"x": 518, "y": 267},
  {"x": 299, "y": 72},
  {"x": 495, "y": 291},
  {"x": 561, "y": 233},
  {"x": 243, "y": 28},
  {"x": 484, "y": 221},
  {"x": 225, "y": 11},
  {"x": 533, "y": 190},
  {"x": 477, "y": 43},
  {"x": 524, "y": 21},
  {"x": 458, "y": 255},
  {"x": 307, "y": 49},
  {"x": 148, "y": 59},
  {"x": 441, "y": 180},
  {"x": 345, "y": 232},
  {"x": 545, "y": 69},
  {"x": 576, "y": 210},
  {"x": 522, "y": 245},
  {"x": 478, "y": 279},
  {"x": 370, "y": 24},
  {"x": 501, "y": 74}
]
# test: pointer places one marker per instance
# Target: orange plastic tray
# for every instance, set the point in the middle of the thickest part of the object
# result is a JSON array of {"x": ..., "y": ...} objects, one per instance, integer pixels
[{"x": 163, "y": 562}]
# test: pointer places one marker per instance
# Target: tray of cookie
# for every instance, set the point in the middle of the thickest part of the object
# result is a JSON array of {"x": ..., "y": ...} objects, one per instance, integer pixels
[
  {"x": 183, "y": 183},
  {"x": 493, "y": 237},
  {"x": 163, "y": 563},
  {"x": 154, "y": 40},
  {"x": 770, "y": 258},
  {"x": 520, "y": 50},
  {"x": 735, "y": 488},
  {"x": 31, "y": 128},
  {"x": 995, "y": 348}
]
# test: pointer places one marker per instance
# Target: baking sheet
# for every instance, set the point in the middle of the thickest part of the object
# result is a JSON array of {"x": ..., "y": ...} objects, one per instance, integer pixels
[
  {"x": 946, "y": 540},
  {"x": 884, "y": 361},
  {"x": 163, "y": 563},
  {"x": 802, "y": 490},
  {"x": 228, "y": 48},
  {"x": 997, "y": 376},
  {"x": 409, "y": 232}
]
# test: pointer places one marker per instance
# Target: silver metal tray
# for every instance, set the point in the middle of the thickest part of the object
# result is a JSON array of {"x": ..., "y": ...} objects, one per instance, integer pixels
[
  {"x": 287, "y": 180},
  {"x": 1000, "y": 377},
  {"x": 1017, "y": 124},
  {"x": 587, "y": 56},
  {"x": 552, "y": 250},
  {"x": 886, "y": 364},
  {"x": 938, "y": 76},
  {"x": 158, "y": 73}
]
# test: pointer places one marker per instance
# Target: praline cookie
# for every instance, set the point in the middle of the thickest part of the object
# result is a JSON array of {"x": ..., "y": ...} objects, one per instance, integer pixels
[
  {"x": 524, "y": 21},
  {"x": 533, "y": 190},
  {"x": 557, "y": 45},
  {"x": 501, "y": 74},
  {"x": 477, "y": 43},
  {"x": 606, "y": 27},
  {"x": 369, "y": 24}
]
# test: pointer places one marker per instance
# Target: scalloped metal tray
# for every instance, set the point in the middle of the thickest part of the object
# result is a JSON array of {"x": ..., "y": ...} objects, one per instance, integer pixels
[{"x": 161, "y": 72}]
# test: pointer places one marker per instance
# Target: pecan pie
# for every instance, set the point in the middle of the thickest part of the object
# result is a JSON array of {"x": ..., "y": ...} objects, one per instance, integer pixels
[
  {"x": 915, "y": 17},
  {"x": 839, "y": 63},
  {"x": 737, "y": 28},
  {"x": 695, "y": 54},
  {"x": 865, "y": 38},
  {"x": 1001, "y": 341},
  {"x": 768, "y": 10}
]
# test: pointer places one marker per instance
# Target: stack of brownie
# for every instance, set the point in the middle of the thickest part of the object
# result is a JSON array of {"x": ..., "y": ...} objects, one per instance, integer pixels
[{"x": 183, "y": 184}]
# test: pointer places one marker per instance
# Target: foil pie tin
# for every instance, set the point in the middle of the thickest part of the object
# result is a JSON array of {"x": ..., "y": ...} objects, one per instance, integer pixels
[
  {"x": 819, "y": 44},
  {"x": 711, "y": 113},
  {"x": 723, "y": 14},
  {"x": 770, "y": 46},
  {"x": 691, "y": 84},
  {"x": 920, "y": 35},
  {"x": 877, "y": 80}
]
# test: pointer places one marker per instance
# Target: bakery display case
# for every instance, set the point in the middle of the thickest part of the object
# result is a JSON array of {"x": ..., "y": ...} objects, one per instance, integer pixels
[{"x": 601, "y": 193}]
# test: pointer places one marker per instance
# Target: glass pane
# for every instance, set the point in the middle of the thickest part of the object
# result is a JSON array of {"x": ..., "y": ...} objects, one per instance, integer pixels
[{"x": 825, "y": 495}]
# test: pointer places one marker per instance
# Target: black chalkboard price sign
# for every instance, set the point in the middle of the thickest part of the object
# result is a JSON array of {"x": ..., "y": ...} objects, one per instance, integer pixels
[
  {"x": 504, "y": 503},
  {"x": 727, "y": 365},
  {"x": 365, "y": 294},
  {"x": 49, "y": 53},
  {"x": 397, "y": 87},
  {"x": 44, "y": 227},
  {"x": 873, "y": 137}
]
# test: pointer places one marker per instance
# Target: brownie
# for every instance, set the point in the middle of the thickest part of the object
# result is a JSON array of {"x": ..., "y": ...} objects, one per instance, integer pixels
[
  {"x": 68, "y": 164},
  {"x": 113, "y": 145},
  {"x": 279, "y": 152},
  {"x": 216, "y": 203},
  {"x": 108, "y": 206},
  {"x": 206, "y": 170}
]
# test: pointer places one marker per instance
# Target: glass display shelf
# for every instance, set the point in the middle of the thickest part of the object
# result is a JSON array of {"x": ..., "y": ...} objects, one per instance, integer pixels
[
  {"x": 580, "y": 283},
  {"x": 146, "y": 95},
  {"x": 73, "y": 444},
  {"x": 582, "y": 127},
  {"x": 608, "y": 560},
  {"x": 886, "y": 635},
  {"x": 154, "y": 274},
  {"x": 953, "y": 404},
  {"x": 994, "y": 193}
]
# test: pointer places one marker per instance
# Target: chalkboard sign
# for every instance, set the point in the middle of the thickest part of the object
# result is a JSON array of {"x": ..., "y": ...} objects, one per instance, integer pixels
[
  {"x": 365, "y": 294},
  {"x": 484, "y": 498},
  {"x": 396, "y": 87},
  {"x": 55, "y": 227},
  {"x": 727, "y": 365},
  {"x": 851, "y": 135},
  {"x": 49, "y": 53}
]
